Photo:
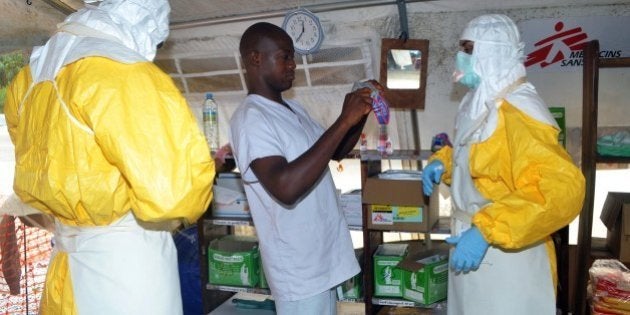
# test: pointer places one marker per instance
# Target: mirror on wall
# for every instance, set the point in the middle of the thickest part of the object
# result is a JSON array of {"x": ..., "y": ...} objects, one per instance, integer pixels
[{"x": 404, "y": 71}]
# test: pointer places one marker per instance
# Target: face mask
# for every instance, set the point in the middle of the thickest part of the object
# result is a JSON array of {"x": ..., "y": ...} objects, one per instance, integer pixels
[{"x": 464, "y": 73}]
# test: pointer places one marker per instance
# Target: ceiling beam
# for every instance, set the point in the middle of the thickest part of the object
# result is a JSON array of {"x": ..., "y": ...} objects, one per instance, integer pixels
[{"x": 61, "y": 6}]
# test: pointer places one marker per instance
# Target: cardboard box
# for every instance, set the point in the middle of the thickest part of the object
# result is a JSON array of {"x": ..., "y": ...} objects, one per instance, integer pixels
[
  {"x": 352, "y": 208},
  {"x": 400, "y": 205},
  {"x": 387, "y": 277},
  {"x": 234, "y": 260},
  {"x": 425, "y": 276},
  {"x": 263, "y": 279},
  {"x": 616, "y": 216},
  {"x": 229, "y": 198},
  {"x": 352, "y": 289},
  {"x": 350, "y": 308}
]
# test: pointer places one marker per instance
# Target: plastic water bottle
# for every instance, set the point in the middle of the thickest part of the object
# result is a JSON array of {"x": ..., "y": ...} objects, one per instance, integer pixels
[
  {"x": 383, "y": 139},
  {"x": 211, "y": 122},
  {"x": 363, "y": 147}
]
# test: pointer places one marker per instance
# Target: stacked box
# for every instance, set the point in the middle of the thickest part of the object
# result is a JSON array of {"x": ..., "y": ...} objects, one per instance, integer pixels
[
  {"x": 352, "y": 207},
  {"x": 616, "y": 216},
  {"x": 229, "y": 196},
  {"x": 425, "y": 276},
  {"x": 352, "y": 289},
  {"x": 400, "y": 205},
  {"x": 387, "y": 277},
  {"x": 350, "y": 308},
  {"x": 234, "y": 260}
]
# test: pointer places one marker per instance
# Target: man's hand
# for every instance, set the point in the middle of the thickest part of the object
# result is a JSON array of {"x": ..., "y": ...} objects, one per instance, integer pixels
[{"x": 356, "y": 105}]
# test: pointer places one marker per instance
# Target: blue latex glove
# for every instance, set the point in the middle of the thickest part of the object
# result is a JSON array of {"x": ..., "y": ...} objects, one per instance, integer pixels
[
  {"x": 432, "y": 174},
  {"x": 470, "y": 247}
]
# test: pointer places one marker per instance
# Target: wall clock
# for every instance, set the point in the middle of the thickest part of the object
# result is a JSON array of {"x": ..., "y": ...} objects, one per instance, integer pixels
[{"x": 305, "y": 29}]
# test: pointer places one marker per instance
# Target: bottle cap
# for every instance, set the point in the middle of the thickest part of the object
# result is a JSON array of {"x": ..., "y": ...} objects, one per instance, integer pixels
[{"x": 208, "y": 95}]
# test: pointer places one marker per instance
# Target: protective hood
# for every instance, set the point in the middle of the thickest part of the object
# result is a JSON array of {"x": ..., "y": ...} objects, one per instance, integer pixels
[
  {"x": 123, "y": 30},
  {"x": 498, "y": 55}
]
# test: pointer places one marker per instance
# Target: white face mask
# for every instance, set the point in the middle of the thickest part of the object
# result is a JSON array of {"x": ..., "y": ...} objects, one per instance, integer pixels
[{"x": 464, "y": 72}]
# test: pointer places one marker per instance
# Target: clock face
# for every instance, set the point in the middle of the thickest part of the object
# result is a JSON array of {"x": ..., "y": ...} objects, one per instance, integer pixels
[{"x": 305, "y": 30}]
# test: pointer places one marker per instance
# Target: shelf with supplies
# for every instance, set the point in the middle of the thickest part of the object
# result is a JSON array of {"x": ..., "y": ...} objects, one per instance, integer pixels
[
  {"x": 394, "y": 202},
  {"x": 229, "y": 260},
  {"x": 587, "y": 249}
]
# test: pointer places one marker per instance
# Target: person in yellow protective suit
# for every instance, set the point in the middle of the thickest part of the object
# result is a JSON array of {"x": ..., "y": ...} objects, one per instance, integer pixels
[
  {"x": 106, "y": 143},
  {"x": 512, "y": 183}
]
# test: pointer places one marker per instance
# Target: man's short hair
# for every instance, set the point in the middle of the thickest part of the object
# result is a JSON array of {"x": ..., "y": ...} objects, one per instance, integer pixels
[{"x": 253, "y": 35}]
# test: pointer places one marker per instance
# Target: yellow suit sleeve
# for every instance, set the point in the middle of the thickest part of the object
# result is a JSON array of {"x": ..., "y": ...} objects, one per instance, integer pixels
[
  {"x": 15, "y": 93},
  {"x": 545, "y": 190},
  {"x": 444, "y": 155},
  {"x": 144, "y": 127}
]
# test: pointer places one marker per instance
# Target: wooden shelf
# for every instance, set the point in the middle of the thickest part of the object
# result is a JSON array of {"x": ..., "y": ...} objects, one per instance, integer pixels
[
  {"x": 611, "y": 159},
  {"x": 405, "y": 303},
  {"x": 373, "y": 155},
  {"x": 228, "y": 288},
  {"x": 230, "y": 221}
]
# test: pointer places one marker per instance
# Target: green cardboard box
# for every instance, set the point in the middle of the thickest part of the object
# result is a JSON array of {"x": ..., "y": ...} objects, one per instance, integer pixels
[
  {"x": 559, "y": 115},
  {"x": 234, "y": 260},
  {"x": 352, "y": 289},
  {"x": 425, "y": 276},
  {"x": 387, "y": 277},
  {"x": 263, "y": 280}
]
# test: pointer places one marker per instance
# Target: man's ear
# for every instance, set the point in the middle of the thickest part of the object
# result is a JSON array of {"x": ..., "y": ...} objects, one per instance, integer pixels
[{"x": 255, "y": 57}]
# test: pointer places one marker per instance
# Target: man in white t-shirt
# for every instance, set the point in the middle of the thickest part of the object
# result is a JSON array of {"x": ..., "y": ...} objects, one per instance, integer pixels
[{"x": 283, "y": 155}]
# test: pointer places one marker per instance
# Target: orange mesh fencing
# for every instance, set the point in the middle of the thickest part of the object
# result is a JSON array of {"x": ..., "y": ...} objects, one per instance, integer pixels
[{"x": 24, "y": 255}]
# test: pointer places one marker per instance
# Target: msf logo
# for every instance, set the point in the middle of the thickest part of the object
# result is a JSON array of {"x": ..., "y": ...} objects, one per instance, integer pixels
[{"x": 557, "y": 47}]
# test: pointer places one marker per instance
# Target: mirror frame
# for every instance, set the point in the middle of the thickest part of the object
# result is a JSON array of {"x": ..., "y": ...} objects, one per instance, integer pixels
[{"x": 405, "y": 98}]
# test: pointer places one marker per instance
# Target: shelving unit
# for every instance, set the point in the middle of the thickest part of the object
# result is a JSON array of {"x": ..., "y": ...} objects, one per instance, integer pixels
[
  {"x": 210, "y": 227},
  {"x": 590, "y": 159},
  {"x": 371, "y": 166}
]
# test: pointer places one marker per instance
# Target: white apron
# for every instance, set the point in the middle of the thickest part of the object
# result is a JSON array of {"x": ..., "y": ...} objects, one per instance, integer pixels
[
  {"x": 508, "y": 281},
  {"x": 121, "y": 268}
]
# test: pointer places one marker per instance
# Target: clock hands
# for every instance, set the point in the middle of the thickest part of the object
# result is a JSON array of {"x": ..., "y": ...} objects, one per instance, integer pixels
[{"x": 302, "y": 33}]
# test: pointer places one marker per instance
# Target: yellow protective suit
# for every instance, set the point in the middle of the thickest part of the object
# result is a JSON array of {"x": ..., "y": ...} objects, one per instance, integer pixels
[
  {"x": 533, "y": 187},
  {"x": 115, "y": 138}
]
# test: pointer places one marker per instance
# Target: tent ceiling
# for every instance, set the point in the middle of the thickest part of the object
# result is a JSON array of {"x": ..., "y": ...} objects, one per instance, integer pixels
[
  {"x": 192, "y": 10},
  {"x": 25, "y": 25}
]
